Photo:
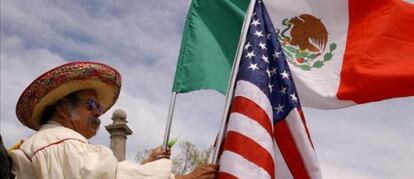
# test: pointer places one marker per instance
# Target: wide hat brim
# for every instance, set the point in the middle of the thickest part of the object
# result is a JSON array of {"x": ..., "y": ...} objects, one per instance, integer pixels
[{"x": 63, "y": 80}]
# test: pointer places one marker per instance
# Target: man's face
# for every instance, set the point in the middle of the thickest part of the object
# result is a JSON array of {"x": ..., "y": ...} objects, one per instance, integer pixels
[{"x": 85, "y": 117}]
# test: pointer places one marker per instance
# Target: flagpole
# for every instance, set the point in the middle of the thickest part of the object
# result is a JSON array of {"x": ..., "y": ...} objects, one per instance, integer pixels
[
  {"x": 230, "y": 86},
  {"x": 169, "y": 120}
]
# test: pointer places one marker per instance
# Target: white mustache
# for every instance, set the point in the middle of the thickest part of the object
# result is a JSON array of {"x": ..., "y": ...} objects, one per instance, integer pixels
[{"x": 94, "y": 121}]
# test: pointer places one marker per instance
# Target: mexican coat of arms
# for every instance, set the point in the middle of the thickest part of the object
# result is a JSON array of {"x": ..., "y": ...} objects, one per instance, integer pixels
[{"x": 305, "y": 46}]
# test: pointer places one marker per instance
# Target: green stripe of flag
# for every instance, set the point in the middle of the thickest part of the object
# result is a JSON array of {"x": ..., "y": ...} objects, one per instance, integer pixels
[{"x": 209, "y": 43}]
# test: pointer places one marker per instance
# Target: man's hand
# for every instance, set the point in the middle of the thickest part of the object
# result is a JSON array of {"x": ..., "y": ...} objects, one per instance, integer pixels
[
  {"x": 157, "y": 153},
  {"x": 206, "y": 171}
]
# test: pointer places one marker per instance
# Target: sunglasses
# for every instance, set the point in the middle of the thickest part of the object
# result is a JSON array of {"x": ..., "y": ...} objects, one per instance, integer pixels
[{"x": 93, "y": 105}]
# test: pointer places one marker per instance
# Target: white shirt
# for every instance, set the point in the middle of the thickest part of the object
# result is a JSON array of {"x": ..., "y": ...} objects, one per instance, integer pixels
[{"x": 56, "y": 152}]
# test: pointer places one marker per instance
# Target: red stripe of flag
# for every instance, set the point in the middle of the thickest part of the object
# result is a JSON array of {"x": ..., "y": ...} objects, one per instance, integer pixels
[
  {"x": 290, "y": 153},
  {"x": 250, "y": 150},
  {"x": 302, "y": 116},
  {"x": 250, "y": 109},
  {"x": 224, "y": 175}
]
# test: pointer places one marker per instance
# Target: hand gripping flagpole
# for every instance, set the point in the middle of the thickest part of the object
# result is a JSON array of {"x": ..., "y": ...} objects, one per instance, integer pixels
[
  {"x": 230, "y": 86},
  {"x": 169, "y": 120}
]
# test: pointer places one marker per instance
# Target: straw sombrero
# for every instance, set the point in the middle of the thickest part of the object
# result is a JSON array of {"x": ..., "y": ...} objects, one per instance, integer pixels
[{"x": 63, "y": 80}]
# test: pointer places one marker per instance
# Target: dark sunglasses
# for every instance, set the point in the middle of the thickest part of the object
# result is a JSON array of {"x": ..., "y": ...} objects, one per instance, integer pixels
[{"x": 93, "y": 105}]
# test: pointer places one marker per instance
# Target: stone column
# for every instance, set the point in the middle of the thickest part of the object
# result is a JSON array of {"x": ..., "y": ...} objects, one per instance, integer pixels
[{"x": 118, "y": 131}]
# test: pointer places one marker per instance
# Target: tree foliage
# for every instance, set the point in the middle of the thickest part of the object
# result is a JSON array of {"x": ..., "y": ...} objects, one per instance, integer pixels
[
  {"x": 187, "y": 157},
  {"x": 142, "y": 155}
]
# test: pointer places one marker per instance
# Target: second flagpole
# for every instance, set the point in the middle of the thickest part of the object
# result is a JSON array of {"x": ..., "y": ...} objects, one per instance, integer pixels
[
  {"x": 169, "y": 120},
  {"x": 230, "y": 86}
]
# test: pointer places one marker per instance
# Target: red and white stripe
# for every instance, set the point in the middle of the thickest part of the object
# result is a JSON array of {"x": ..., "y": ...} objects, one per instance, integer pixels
[{"x": 255, "y": 148}]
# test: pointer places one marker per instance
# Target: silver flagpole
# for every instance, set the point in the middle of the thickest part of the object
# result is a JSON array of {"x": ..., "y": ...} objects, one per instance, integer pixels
[
  {"x": 230, "y": 86},
  {"x": 169, "y": 120},
  {"x": 170, "y": 113}
]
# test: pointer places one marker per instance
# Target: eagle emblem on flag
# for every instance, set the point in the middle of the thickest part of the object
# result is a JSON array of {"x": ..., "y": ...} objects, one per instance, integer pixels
[{"x": 305, "y": 46}]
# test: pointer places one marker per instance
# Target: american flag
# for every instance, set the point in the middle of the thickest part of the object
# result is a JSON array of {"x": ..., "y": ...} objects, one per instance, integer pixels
[{"x": 266, "y": 134}]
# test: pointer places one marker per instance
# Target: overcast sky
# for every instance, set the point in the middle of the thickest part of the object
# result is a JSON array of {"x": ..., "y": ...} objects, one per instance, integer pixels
[{"x": 141, "y": 39}]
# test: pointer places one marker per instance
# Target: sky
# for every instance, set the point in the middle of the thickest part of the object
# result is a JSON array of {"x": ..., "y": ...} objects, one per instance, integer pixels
[{"x": 141, "y": 39}]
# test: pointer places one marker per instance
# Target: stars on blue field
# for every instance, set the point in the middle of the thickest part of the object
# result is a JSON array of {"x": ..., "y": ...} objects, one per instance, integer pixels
[{"x": 271, "y": 75}]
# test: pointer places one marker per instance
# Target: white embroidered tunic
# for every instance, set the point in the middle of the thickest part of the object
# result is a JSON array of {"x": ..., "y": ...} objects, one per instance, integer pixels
[{"x": 57, "y": 152}]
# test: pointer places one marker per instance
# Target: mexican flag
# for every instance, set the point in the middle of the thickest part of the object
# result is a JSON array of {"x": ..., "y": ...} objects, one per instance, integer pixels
[{"x": 340, "y": 52}]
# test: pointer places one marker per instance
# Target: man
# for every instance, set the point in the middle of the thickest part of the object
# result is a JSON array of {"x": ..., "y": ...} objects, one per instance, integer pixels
[{"x": 63, "y": 106}]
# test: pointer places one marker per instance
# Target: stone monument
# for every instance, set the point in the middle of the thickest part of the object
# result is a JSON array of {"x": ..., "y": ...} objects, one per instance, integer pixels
[{"x": 118, "y": 131}]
